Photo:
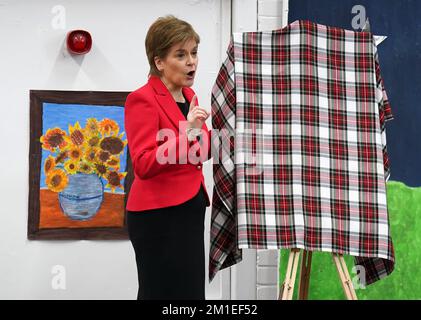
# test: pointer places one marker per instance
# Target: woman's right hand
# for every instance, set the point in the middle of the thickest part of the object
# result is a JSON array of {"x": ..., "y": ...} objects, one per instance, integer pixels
[{"x": 197, "y": 115}]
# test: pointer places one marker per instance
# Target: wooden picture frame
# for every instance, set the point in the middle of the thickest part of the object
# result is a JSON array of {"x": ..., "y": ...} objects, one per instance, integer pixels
[{"x": 75, "y": 221}]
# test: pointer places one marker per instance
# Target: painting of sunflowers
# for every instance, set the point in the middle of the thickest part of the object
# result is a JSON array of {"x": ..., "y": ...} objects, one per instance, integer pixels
[{"x": 80, "y": 169}]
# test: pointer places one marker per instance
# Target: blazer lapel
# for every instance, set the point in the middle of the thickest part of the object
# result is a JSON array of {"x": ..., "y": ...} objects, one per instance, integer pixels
[
  {"x": 166, "y": 101},
  {"x": 188, "y": 93}
]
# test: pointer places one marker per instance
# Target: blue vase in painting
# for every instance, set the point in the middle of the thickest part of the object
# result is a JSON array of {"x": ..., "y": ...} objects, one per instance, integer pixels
[{"x": 82, "y": 197}]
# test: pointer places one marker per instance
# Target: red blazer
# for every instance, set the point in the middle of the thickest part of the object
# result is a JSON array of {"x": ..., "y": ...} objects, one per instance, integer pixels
[{"x": 159, "y": 183}]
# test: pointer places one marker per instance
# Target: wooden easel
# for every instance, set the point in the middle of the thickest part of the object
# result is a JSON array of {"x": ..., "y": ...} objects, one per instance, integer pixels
[{"x": 287, "y": 289}]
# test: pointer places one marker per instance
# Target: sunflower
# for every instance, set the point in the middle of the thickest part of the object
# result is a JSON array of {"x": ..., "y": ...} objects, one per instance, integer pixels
[
  {"x": 91, "y": 127},
  {"x": 113, "y": 145},
  {"x": 114, "y": 180},
  {"x": 70, "y": 166},
  {"x": 76, "y": 133},
  {"x": 106, "y": 126},
  {"x": 49, "y": 164},
  {"x": 92, "y": 141},
  {"x": 75, "y": 153},
  {"x": 103, "y": 155},
  {"x": 114, "y": 162},
  {"x": 53, "y": 138},
  {"x": 57, "y": 180},
  {"x": 90, "y": 154},
  {"x": 100, "y": 169},
  {"x": 61, "y": 156},
  {"x": 84, "y": 167}
]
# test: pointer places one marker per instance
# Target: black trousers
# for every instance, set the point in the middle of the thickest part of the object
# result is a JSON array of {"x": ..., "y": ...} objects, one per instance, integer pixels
[{"x": 169, "y": 247}]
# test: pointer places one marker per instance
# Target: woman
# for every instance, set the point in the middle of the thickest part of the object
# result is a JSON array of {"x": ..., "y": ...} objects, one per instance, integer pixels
[{"x": 168, "y": 142}]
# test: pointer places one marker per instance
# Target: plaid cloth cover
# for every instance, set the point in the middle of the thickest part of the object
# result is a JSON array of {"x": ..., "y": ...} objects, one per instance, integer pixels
[{"x": 301, "y": 147}]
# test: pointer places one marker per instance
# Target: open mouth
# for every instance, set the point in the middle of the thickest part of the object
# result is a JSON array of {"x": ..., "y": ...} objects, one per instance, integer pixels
[{"x": 191, "y": 73}]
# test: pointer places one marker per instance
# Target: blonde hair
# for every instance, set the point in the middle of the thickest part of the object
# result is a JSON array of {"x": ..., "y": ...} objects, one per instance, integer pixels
[{"x": 162, "y": 35}]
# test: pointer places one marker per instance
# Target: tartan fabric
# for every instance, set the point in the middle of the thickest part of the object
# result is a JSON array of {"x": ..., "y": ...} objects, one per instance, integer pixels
[{"x": 300, "y": 117}]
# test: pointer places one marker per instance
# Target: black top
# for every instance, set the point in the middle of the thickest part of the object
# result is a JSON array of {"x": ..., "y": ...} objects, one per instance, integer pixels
[{"x": 184, "y": 107}]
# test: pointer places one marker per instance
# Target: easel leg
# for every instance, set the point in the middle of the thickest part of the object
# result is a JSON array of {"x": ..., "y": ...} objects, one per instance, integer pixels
[
  {"x": 287, "y": 288},
  {"x": 349, "y": 281},
  {"x": 344, "y": 276},
  {"x": 284, "y": 288},
  {"x": 304, "y": 275},
  {"x": 294, "y": 274}
]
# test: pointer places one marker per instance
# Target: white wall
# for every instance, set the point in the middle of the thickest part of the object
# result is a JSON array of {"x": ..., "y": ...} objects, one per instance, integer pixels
[
  {"x": 32, "y": 57},
  {"x": 272, "y": 14}
]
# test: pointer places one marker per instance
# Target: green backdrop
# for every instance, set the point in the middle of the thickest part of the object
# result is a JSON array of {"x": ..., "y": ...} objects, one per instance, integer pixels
[{"x": 404, "y": 205}]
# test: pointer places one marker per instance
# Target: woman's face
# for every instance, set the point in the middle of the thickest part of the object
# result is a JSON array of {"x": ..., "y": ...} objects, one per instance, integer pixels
[{"x": 178, "y": 68}]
